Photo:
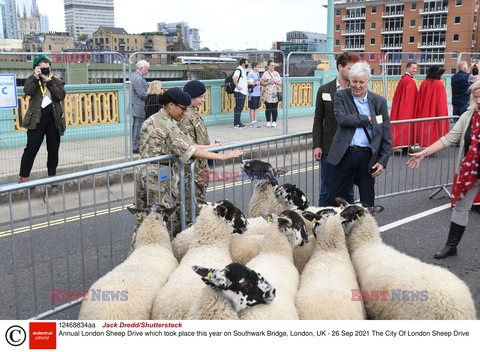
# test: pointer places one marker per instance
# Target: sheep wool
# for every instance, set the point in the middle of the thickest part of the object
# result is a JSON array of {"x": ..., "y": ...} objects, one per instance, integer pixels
[
  {"x": 210, "y": 247},
  {"x": 139, "y": 277},
  {"x": 328, "y": 278},
  {"x": 397, "y": 286}
]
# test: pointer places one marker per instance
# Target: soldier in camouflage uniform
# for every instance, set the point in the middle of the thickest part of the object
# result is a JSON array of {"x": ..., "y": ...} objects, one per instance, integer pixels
[
  {"x": 192, "y": 124},
  {"x": 160, "y": 136}
]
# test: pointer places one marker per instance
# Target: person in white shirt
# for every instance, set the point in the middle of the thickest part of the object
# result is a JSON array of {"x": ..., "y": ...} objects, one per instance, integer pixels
[{"x": 241, "y": 89}]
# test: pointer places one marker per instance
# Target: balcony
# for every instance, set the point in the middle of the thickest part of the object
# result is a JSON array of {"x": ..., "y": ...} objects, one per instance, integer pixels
[
  {"x": 433, "y": 28},
  {"x": 391, "y": 30},
  {"x": 433, "y": 11},
  {"x": 430, "y": 45},
  {"x": 391, "y": 46},
  {"x": 361, "y": 16},
  {"x": 356, "y": 47},
  {"x": 391, "y": 14},
  {"x": 353, "y": 32}
]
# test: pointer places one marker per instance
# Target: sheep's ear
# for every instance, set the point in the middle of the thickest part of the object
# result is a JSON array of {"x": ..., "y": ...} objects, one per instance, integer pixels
[
  {"x": 328, "y": 211},
  {"x": 311, "y": 216},
  {"x": 284, "y": 222},
  {"x": 221, "y": 210},
  {"x": 165, "y": 211},
  {"x": 281, "y": 171},
  {"x": 134, "y": 210},
  {"x": 341, "y": 202},
  {"x": 375, "y": 209},
  {"x": 200, "y": 270},
  {"x": 352, "y": 213},
  {"x": 212, "y": 277}
]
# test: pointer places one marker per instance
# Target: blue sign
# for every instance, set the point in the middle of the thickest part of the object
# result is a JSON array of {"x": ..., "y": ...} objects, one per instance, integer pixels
[{"x": 8, "y": 91}]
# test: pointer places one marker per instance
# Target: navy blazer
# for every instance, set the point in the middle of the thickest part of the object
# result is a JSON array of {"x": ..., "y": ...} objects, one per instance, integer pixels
[
  {"x": 349, "y": 119},
  {"x": 324, "y": 122}
]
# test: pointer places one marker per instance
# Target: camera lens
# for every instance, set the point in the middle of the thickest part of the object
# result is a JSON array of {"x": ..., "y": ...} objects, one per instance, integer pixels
[{"x": 45, "y": 70}]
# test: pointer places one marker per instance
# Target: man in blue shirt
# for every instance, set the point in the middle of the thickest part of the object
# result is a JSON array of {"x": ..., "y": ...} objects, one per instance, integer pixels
[{"x": 363, "y": 142}]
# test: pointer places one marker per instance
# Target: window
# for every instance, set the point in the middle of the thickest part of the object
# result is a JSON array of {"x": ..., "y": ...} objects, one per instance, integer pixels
[
  {"x": 457, "y": 20},
  {"x": 337, "y": 42},
  {"x": 373, "y": 25},
  {"x": 456, "y": 37},
  {"x": 413, "y": 6},
  {"x": 337, "y": 27},
  {"x": 372, "y": 41},
  {"x": 412, "y": 23},
  {"x": 412, "y": 40},
  {"x": 337, "y": 12},
  {"x": 458, "y": 3},
  {"x": 374, "y": 9}
]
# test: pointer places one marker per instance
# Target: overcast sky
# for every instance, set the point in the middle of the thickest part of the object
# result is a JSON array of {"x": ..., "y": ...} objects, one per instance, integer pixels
[{"x": 223, "y": 24}]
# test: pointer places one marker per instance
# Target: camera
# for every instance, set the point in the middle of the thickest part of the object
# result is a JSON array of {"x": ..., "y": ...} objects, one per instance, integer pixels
[
  {"x": 217, "y": 140},
  {"x": 45, "y": 71}
]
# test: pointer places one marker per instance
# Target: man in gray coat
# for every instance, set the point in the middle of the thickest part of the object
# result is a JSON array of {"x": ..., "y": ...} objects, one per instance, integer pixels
[
  {"x": 363, "y": 142},
  {"x": 138, "y": 95}
]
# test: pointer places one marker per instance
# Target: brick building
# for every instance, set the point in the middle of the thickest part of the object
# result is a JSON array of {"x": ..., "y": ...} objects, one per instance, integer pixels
[{"x": 428, "y": 32}]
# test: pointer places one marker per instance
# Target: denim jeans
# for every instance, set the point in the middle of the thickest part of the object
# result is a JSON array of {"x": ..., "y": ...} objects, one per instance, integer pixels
[{"x": 239, "y": 103}]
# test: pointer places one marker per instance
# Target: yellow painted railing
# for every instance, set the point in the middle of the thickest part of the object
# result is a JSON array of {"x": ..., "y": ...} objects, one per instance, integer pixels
[
  {"x": 301, "y": 94},
  {"x": 228, "y": 102},
  {"x": 80, "y": 109}
]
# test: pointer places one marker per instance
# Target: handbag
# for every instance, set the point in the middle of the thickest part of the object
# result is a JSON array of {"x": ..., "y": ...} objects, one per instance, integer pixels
[{"x": 279, "y": 92}]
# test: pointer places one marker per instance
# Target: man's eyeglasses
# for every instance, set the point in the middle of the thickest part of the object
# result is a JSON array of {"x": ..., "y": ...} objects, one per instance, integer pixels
[{"x": 184, "y": 108}]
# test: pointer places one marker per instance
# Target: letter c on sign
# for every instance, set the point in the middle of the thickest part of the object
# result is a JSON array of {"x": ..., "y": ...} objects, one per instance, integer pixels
[
  {"x": 4, "y": 90},
  {"x": 15, "y": 335}
]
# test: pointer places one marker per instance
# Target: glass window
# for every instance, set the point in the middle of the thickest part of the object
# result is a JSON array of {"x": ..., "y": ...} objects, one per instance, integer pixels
[
  {"x": 457, "y": 20},
  {"x": 412, "y": 40},
  {"x": 413, "y": 6},
  {"x": 373, "y": 25},
  {"x": 412, "y": 23},
  {"x": 337, "y": 12},
  {"x": 374, "y": 9},
  {"x": 456, "y": 37},
  {"x": 458, "y": 3},
  {"x": 337, "y": 27},
  {"x": 372, "y": 41},
  {"x": 337, "y": 42}
]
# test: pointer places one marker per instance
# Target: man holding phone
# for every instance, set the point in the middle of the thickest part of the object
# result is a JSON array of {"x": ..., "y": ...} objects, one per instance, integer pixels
[{"x": 44, "y": 116}]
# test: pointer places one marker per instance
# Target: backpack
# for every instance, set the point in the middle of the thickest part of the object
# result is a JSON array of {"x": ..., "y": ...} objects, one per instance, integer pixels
[{"x": 229, "y": 85}]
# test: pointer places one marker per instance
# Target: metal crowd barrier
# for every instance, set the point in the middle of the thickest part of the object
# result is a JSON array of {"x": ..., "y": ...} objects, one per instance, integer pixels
[{"x": 59, "y": 235}]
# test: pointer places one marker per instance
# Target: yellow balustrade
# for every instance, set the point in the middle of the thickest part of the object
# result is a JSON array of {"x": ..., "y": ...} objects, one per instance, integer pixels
[
  {"x": 228, "y": 102},
  {"x": 80, "y": 109},
  {"x": 301, "y": 94},
  {"x": 205, "y": 107}
]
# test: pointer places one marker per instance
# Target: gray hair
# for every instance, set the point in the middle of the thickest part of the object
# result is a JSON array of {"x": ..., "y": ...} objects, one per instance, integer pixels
[
  {"x": 142, "y": 63},
  {"x": 359, "y": 69}
]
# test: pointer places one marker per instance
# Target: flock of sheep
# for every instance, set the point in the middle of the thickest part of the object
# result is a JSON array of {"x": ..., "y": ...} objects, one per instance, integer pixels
[{"x": 288, "y": 260}]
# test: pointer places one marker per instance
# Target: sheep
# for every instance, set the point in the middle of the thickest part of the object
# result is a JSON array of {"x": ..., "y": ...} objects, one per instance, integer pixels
[
  {"x": 395, "y": 285},
  {"x": 292, "y": 196},
  {"x": 261, "y": 170},
  {"x": 181, "y": 242},
  {"x": 326, "y": 282},
  {"x": 209, "y": 246},
  {"x": 228, "y": 291},
  {"x": 140, "y": 276},
  {"x": 275, "y": 261}
]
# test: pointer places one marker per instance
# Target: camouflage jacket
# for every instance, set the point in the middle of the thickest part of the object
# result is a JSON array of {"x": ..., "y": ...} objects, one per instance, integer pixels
[{"x": 160, "y": 136}]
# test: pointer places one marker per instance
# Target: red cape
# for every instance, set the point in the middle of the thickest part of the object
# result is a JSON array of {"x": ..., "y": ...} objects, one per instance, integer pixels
[
  {"x": 431, "y": 102},
  {"x": 403, "y": 108}
]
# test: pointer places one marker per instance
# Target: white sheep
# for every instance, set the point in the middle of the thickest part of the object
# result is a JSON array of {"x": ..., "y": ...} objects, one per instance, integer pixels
[
  {"x": 275, "y": 261},
  {"x": 229, "y": 291},
  {"x": 326, "y": 282},
  {"x": 395, "y": 285},
  {"x": 139, "y": 277},
  {"x": 209, "y": 246}
]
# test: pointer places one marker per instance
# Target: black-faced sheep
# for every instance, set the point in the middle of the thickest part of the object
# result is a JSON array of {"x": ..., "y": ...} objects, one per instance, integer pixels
[
  {"x": 328, "y": 278},
  {"x": 261, "y": 170},
  {"x": 275, "y": 261},
  {"x": 395, "y": 285},
  {"x": 209, "y": 247},
  {"x": 140, "y": 276},
  {"x": 229, "y": 291}
]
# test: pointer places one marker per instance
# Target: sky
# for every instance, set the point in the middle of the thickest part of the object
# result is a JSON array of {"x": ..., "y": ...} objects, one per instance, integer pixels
[{"x": 223, "y": 24}]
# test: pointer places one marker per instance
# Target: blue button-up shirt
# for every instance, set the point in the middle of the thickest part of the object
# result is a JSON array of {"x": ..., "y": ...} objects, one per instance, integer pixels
[{"x": 359, "y": 138}]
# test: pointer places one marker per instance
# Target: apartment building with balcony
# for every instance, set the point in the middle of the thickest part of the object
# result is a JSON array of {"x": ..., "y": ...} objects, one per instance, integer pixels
[{"x": 428, "y": 32}]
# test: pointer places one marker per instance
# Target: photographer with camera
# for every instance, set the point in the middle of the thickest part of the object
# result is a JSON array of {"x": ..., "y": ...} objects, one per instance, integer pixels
[{"x": 44, "y": 116}]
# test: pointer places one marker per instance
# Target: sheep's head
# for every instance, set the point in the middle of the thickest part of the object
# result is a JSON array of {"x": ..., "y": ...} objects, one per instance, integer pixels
[
  {"x": 292, "y": 196},
  {"x": 261, "y": 170},
  {"x": 159, "y": 210},
  {"x": 292, "y": 225},
  {"x": 320, "y": 217},
  {"x": 230, "y": 213},
  {"x": 242, "y": 286},
  {"x": 351, "y": 214}
]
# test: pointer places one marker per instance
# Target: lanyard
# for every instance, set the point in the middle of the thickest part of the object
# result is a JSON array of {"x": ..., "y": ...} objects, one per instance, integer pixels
[{"x": 42, "y": 89}]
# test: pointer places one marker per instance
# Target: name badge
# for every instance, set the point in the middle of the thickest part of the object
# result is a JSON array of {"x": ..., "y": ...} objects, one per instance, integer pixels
[
  {"x": 326, "y": 97},
  {"x": 379, "y": 119},
  {"x": 46, "y": 101}
]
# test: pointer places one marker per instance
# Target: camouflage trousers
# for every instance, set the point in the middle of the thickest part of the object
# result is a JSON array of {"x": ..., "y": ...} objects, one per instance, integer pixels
[{"x": 150, "y": 190}]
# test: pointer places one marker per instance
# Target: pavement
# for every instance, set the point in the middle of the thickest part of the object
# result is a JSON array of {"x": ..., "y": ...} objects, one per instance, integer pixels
[{"x": 87, "y": 154}]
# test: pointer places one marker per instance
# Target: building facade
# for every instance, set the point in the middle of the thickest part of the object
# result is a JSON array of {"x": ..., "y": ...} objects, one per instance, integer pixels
[
  {"x": 428, "y": 32},
  {"x": 84, "y": 17},
  {"x": 53, "y": 41},
  {"x": 191, "y": 36},
  {"x": 28, "y": 18},
  {"x": 8, "y": 19}
]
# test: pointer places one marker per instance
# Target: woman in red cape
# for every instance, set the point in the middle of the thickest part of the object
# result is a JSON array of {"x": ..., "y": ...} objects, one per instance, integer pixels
[{"x": 431, "y": 102}]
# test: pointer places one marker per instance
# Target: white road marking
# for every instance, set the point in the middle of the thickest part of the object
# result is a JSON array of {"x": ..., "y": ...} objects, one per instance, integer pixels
[{"x": 414, "y": 217}]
